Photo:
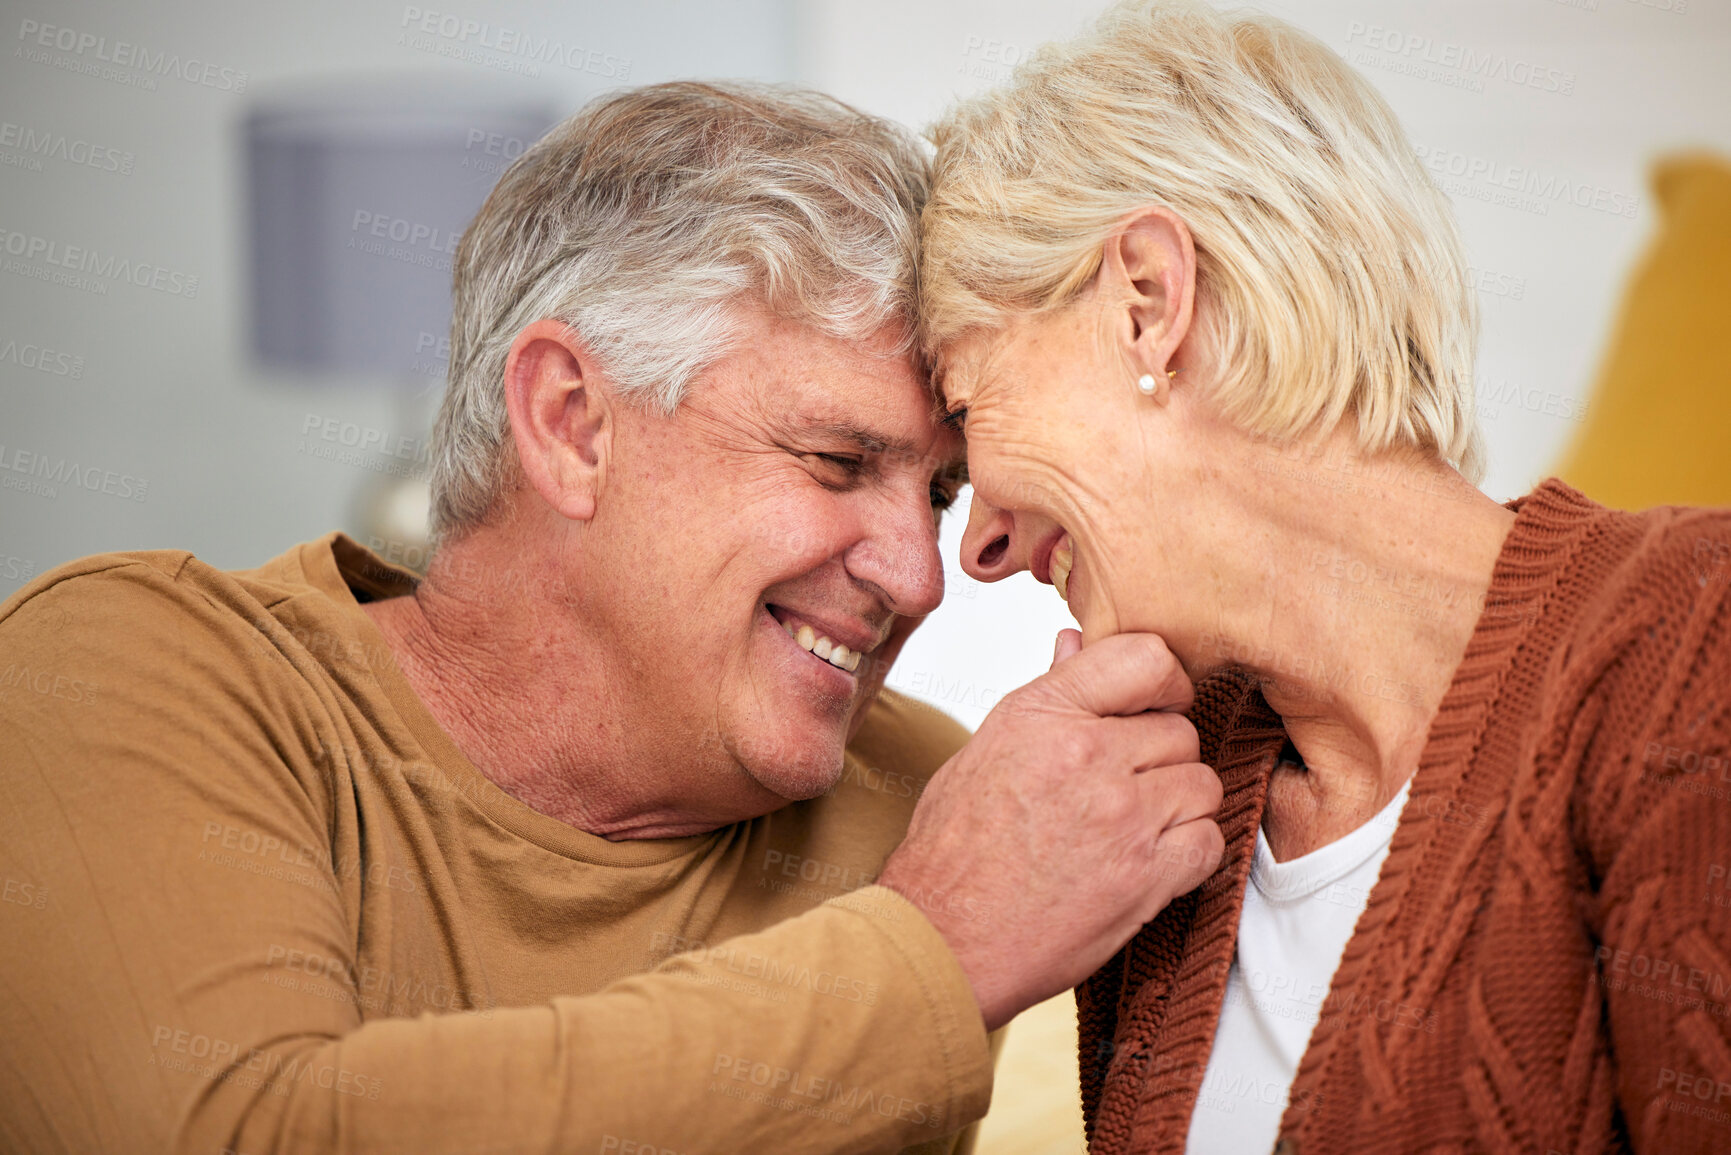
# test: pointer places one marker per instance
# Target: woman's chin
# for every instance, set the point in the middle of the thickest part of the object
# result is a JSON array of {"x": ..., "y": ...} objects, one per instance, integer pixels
[
  {"x": 1077, "y": 601},
  {"x": 1093, "y": 613},
  {"x": 1093, "y": 626}
]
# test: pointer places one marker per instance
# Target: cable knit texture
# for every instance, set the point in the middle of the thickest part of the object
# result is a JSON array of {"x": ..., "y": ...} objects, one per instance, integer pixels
[{"x": 1545, "y": 962}]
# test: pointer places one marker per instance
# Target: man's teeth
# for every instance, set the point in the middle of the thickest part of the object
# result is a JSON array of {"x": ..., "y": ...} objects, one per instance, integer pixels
[
  {"x": 834, "y": 653},
  {"x": 1063, "y": 558}
]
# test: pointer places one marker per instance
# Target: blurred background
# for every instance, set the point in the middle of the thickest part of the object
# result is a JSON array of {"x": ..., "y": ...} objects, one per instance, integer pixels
[{"x": 225, "y": 238}]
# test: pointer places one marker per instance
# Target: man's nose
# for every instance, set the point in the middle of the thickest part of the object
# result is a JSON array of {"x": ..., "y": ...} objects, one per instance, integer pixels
[
  {"x": 899, "y": 555},
  {"x": 989, "y": 546}
]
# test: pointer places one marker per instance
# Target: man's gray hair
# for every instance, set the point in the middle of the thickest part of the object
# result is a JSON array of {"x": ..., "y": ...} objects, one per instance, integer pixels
[{"x": 641, "y": 221}]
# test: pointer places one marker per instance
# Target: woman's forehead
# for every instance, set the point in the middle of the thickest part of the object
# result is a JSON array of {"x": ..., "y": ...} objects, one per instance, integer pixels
[
  {"x": 959, "y": 364},
  {"x": 989, "y": 358}
]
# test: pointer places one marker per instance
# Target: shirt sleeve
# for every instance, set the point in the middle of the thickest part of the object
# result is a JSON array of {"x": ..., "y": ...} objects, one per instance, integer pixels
[
  {"x": 1658, "y": 832},
  {"x": 137, "y": 1008}
]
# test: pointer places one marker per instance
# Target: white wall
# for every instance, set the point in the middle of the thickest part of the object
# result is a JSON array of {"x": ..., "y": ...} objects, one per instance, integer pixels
[{"x": 167, "y": 393}]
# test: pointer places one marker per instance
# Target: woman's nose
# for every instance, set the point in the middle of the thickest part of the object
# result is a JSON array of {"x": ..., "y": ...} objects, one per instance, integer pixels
[{"x": 989, "y": 550}]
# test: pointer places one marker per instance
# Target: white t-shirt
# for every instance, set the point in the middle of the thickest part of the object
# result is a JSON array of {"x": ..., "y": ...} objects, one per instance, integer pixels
[{"x": 1297, "y": 918}]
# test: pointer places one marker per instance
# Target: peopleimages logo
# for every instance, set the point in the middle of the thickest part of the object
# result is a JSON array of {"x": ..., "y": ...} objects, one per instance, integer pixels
[
  {"x": 1529, "y": 189},
  {"x": 497, "y": 151},
  {"x": 87, "y": 46},
  {"x": 32, "y": 145},
  {"x": 42, "y": 473},
  {"x": 42, "y": 359},
  {"x": 1493, "y": 396},
  {"x": 1467, "y": 62},
  {"x": 463, "y": 37},
  {"x": 81, "y": 260}
]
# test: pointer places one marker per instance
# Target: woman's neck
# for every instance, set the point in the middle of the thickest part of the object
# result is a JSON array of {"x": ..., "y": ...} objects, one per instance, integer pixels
[{"x": 1353, "y": 612}]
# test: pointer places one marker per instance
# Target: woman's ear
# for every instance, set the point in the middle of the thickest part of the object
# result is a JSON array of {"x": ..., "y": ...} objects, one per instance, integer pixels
[
  {"x": 561, "y": 417},
  {"x": 1148, "y": 271}
]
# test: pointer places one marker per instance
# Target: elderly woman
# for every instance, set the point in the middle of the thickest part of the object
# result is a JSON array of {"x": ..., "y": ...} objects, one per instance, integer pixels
[{"x": 1208, "y": 327}]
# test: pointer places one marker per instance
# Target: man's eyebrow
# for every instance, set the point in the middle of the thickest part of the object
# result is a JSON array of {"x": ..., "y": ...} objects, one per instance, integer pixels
[{"x": 869, "y": 440}]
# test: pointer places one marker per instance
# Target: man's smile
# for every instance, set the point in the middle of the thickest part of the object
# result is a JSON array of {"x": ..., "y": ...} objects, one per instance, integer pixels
[{"x": 823, "y": 639}]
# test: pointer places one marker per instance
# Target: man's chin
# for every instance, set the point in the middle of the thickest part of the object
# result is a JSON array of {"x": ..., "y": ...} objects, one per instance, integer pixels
[{"x": 793, "y": 769}]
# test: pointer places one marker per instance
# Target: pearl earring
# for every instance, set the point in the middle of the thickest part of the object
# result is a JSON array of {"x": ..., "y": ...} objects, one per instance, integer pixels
[{"x": 1145, "y": 383}]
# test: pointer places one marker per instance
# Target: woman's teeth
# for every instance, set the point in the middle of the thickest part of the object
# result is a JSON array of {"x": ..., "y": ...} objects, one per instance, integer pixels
[
  {"x": 834, "y": 653},
  {"x": 1063, "y": 559}
]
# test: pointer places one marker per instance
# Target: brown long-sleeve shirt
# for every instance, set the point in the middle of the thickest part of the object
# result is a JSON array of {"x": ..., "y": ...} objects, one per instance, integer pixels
[
  {"x": 256, "y": 900},
  {"x": 1545, "y": 961}
]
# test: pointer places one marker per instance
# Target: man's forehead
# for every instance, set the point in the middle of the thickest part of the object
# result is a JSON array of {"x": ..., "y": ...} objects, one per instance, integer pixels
[{"x": 790, "y": 379}]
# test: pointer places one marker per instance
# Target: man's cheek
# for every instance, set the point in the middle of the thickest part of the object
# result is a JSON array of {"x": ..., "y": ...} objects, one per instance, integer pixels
[
  {"x": 885, "y": 655},
  {"x": 876, "y": 667}
]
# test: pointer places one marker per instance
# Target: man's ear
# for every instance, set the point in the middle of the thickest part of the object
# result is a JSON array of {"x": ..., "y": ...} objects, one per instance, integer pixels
[
  {"x": 561, "y": 417},
  {"x": 1148, "y": 270}
]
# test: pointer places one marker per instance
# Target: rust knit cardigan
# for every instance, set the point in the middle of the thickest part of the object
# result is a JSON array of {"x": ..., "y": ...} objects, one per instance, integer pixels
[{"x": 1544, "y": 964}]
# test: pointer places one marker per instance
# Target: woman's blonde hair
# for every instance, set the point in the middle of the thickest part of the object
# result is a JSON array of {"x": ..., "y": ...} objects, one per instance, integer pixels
[{"x": 1328, "y": 260}]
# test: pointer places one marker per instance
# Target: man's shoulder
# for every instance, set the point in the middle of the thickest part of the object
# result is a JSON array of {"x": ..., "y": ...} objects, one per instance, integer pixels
[
  {"x": 158, "y": 624},
  {"x": 111, "y": 601},
  {"x": 148, "y": 592},
  {"x": 98, "y": 575},
  {"x": 153, "y": 673}
]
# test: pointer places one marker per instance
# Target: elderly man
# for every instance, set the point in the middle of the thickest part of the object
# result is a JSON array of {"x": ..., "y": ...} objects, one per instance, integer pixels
[{"x": 584, "y": 842}]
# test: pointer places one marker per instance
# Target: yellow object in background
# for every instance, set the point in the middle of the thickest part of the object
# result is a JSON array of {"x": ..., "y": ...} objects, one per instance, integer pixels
[{"x": 1658, "y": 429}]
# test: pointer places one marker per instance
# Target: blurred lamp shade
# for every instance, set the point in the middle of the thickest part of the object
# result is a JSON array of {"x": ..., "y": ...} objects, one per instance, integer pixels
[{"x": 358, "y": 196}]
